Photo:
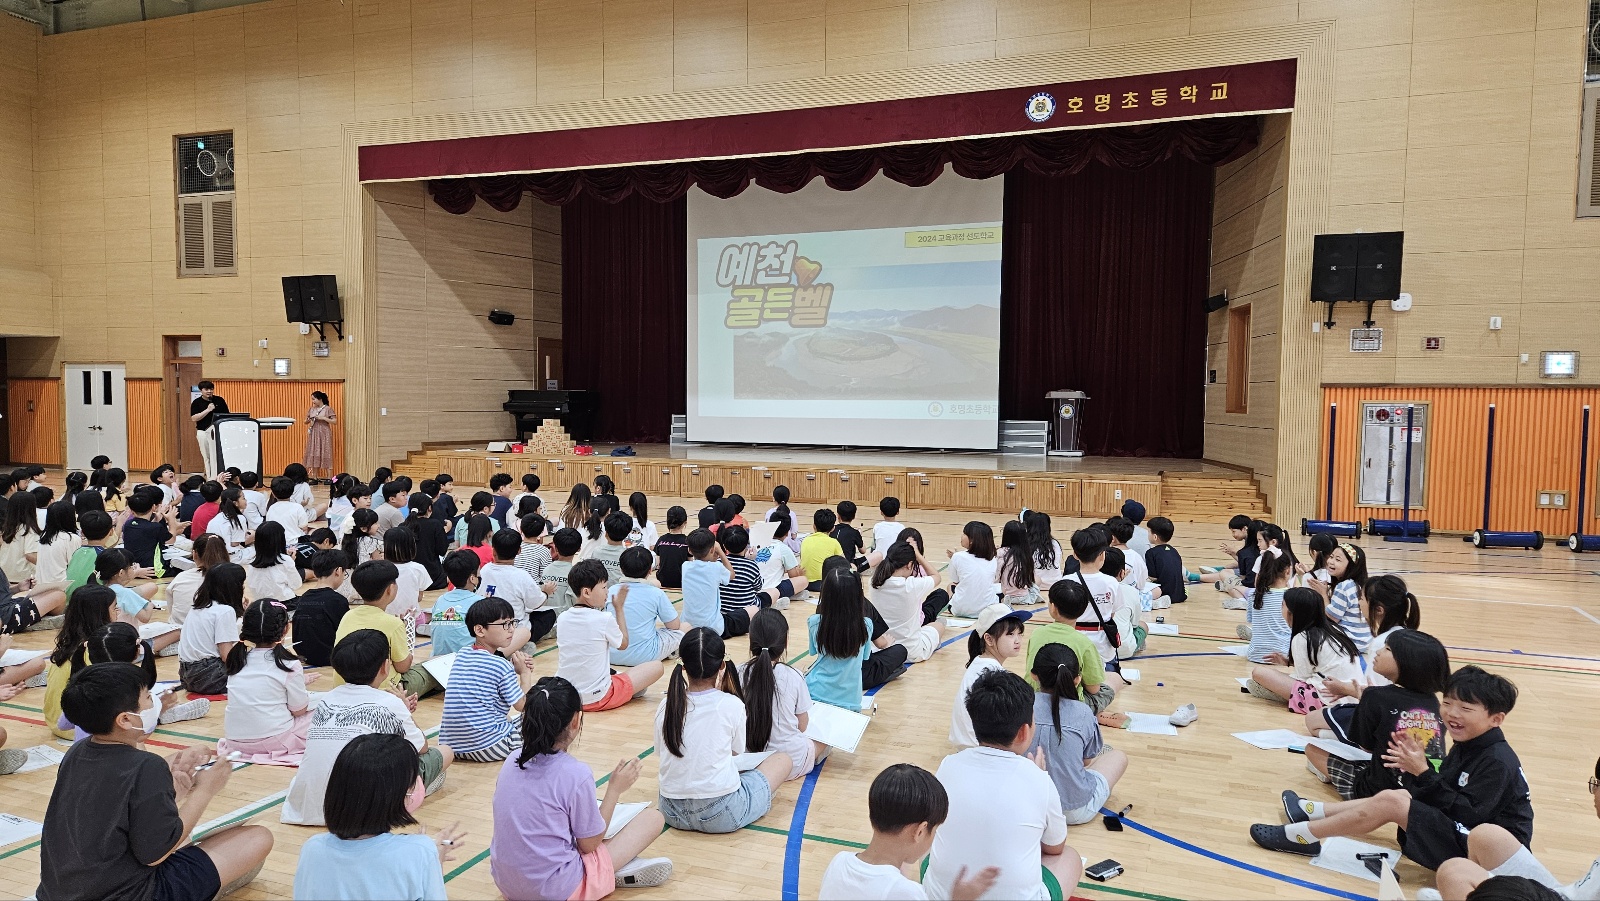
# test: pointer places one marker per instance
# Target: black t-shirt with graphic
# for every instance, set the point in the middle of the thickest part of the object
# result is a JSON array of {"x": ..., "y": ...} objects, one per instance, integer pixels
[{"x": 1383, "y": 711}]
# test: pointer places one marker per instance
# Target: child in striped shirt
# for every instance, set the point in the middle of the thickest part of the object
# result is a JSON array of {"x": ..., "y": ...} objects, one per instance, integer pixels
[
  {"x": 535, "y": 555},
  {"x": 739, "y": 596},
  {"x": 484, "y": 686},
  {"x": 1347, "y": 567}
]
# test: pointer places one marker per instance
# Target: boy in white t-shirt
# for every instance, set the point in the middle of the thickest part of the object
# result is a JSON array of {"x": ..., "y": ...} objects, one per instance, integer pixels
[
  {"x": 291, "y": 515},
  {"x": 505, "y": 580},
  {"x": 1004, "y": 810},
  {"x": 1089, "y": 547},
  {"x": 906, "y": 805},
  {"x": 886, "y": 531},
  {"x": 586, "y": 634},
  {"x": 255, "y": 500}
]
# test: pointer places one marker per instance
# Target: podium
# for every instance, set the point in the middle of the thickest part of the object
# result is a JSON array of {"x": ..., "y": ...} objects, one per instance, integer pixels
[{"x": 1066, "y": 416}]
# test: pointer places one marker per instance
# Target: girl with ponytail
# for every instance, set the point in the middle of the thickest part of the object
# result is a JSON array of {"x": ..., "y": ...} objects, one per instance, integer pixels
[
  {"x": 1082, "y": 768},
  {"x": 776, "y": 700},
  {"x": 268, "y": 713},
  {"x": 700, "y": 728},
  {"x": 1388, "y": 608},
  {"x": 549, "y": 837}
]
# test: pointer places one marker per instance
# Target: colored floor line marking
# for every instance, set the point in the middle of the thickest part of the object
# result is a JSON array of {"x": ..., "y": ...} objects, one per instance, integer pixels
[
  {"x": 796, "y": 834},
  {"x": 1512, "y": 652},
  {"x": 1233, "y": 862},
  {"x": 1587, "y": 615},
  {"x": 35, "y": 722}
]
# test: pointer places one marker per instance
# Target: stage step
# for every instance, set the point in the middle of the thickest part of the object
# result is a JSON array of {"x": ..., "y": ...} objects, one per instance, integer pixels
[{"x": 1195, "y": 497}]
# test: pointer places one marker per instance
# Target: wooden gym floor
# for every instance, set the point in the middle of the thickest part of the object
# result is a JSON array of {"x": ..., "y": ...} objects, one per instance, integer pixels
[{"x": 1531, "y": 616}]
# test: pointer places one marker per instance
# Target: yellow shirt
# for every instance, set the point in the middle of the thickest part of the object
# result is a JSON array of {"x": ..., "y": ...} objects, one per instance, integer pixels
[
  {"x": 817, "y": 547},
  {"x": 58, "y": 677},
  {"x": 366, "y": 616}
]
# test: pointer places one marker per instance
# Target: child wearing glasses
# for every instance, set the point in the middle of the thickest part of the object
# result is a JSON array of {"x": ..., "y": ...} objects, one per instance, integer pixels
[{"x": 485, "y": 686}]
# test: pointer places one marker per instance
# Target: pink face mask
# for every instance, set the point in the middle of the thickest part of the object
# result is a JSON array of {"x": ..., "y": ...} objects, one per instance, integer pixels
[{"x": 414, "y": 798}]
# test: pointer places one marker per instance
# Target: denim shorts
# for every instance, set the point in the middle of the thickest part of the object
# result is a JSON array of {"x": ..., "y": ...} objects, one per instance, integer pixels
[
  {"x": 728, "y": 813},
  {"x": 1091, "y": 809}
]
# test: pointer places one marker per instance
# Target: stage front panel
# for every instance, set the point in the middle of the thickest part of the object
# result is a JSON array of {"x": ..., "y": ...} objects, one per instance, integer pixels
[{"x": 866, "y": 318}]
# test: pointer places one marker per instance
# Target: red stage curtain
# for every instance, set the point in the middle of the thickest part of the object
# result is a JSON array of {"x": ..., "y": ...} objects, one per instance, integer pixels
[
  {"x": 624, "y": 325},
  {"x": 1209, "y": 141},
  {"x": 1102, "y": 279}
]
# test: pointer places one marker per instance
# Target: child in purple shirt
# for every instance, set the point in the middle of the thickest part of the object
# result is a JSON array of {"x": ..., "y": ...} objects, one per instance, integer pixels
[{"x": 549, "y": 835}]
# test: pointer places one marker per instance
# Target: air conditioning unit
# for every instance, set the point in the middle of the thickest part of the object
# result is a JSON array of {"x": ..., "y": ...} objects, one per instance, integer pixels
[{"x": 1589, "y": 154}]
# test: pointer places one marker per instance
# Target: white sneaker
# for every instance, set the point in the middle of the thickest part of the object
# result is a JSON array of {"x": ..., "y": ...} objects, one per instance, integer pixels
[
  {"x": 188, "y": 710},
  {"x": 1319, "y": 776},
  {"x": 644, "y": 871},
  {"x": 781, "y": 604},
  {"x": 1244, "y": 631},
  {"x": 1184, "y": 715},
  {"x": 1232, "y": 603},
  {"x": 39, "y": 680}
]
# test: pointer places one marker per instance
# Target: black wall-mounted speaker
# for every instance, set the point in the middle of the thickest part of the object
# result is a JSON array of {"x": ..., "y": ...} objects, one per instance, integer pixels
[
  {"x": 293, "y": 310},
  {"x": 319, "y": 298},
  {"x": 501, "y": 317},
  {"x": 1378, "y": 265},
  {"x": 1333, "y": 268},
  {"x": 1217, "y": 302}
]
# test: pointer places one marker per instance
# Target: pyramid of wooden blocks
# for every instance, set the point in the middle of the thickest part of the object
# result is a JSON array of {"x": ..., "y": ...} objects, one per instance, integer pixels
[{"x": 551, "y": 438}]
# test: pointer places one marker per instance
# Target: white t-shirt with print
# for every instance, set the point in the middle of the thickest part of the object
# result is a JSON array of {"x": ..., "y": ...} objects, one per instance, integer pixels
[
  {"x": 584, "y": 638},
  {"x": 512, "y": 584}
]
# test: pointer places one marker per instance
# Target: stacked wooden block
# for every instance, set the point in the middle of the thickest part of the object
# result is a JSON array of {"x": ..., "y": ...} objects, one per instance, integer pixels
[{"x": 550, "y": 440}]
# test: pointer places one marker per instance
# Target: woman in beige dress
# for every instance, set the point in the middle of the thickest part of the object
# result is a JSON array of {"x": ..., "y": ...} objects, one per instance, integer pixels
[{"x": 319, "y": 437}]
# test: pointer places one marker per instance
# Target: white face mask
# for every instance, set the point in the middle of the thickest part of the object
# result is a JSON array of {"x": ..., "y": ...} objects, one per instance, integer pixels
[{"x": 150, "y": 716}]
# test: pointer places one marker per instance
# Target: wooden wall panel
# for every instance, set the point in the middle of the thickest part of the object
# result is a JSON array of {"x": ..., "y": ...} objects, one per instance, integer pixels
[
  {"x": 280, "y": 447},
  {"x": 34, "y": 412},
  {"x": 144, "y": 424},
  {"x": 1536, "y": 447}
]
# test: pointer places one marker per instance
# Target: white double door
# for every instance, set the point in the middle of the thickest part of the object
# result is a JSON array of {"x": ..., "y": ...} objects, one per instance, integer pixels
[{"x": 97, "y": 413}]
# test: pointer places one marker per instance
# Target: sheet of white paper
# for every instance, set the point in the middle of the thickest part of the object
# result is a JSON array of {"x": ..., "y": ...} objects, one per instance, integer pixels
[
  {"x": 761, "y": 533},
  {"x": 164, "y": 687},
  {"x": 148, "y": 631},
  {"x": 17, "y": 657},
  {"x": 959, "y": 623},
  {"x": 1238, "y": 650},
  {"x": 1341, "y": 750},
  {"x": 14, "y": 829},
  {"x": 1163, "y": 628},
  {"x": 439, "y": 667},
  {"x": 837, "y": 727},
  {"x": 623, "y": 814},
  {"x": 40, "y": 757},
  {"x": 1339, "y": 855},
  {"x": 1151, "y": 724},
  {"x": 750, "y": 760},
  {"x": 1273, "y": 739},
  {"x": 1129, "y": 674},
  {"x": 1389, "y": 887},
  {"x": 868, "y": 705}
]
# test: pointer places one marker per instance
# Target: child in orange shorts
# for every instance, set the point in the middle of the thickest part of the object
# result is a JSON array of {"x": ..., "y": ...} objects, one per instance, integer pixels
[{"x": 586, "y": 633}]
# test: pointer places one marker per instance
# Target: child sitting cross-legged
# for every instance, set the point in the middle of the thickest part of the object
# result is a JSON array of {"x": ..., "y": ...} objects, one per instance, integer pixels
[
  {"x": 359, "y": 706},
  {"x": 700, "y": 727},
  {"x": 1004, "y": 811},
  {"x": 585, "y": 635},
  {"x": 1083, "y": 769},
  {"x": 1068, "y": 600},
  {"x": 654, "y": 628},
  {"x": 448, "y": 618},
  {"x": 120, "y": 817},
  {"x": 268, "y": 713},
  {"x": 1480, "y": 781},
  {"x": 211, "y": 630},
  {"x": 1318, "y": 650},
  {"x": 704, "y": 574},
  {"x": 484, "y": 686},
  {"x": 374, "y": 788},
  {"x": 907, "y": 805},
  {"x": 376, "y": 581},
  {"x": 318, "y": 612},
  {"x": 549, "y": 835}
]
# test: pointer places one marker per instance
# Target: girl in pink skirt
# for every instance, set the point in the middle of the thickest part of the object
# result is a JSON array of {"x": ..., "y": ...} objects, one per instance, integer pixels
[{"x": 268, "y": 715}]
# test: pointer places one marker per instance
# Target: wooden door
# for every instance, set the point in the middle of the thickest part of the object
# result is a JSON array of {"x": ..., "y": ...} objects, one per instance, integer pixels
[{"x": 181, "y": 446}]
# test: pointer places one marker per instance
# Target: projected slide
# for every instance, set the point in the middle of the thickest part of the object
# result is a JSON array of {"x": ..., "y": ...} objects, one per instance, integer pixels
[{"x": 866, "y": 318}]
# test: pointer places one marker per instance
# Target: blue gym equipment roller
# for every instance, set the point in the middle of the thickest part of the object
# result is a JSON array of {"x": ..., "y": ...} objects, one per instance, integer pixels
[
  {"x": 1404, "y": 529},
  {"x": 1484, "y": 537},
  {"x": 1578, "y": 542},
  {"x": 1330, "y": 526}
]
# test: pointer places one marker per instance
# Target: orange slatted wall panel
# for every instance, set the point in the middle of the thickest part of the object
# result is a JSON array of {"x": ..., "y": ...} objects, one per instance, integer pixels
[
  {"x": 1537, "y": 432},
  {"x": 36, "y": 434},
  {"x": 144, "y": 424},
  {"x": 279, "y": 448}
]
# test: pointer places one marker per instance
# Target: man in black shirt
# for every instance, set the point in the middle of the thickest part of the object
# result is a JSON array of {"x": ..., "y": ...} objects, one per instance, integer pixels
[{"x": 203, "y": 411}]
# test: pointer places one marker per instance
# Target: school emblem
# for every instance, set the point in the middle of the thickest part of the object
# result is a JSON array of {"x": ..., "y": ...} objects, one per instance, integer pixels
[
  {"x": 1066, "y": 411},
  {"x": 1041, "y": 107}
]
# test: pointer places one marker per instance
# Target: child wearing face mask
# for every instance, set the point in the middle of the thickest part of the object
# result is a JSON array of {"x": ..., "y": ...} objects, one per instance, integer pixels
[
  {"x": 119, "y": 820},
  {"x": 375, "y": 787}
]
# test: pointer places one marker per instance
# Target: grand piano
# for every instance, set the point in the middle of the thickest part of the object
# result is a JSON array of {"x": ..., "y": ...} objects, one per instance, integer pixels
[{"x": 575, "y": 410}]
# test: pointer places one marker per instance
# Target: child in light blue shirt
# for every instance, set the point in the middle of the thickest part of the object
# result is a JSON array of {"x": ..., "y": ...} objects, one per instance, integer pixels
[
  {"x": 448, "y": 620},
  {"x": 704, "y": 574},
  {"x": 653, "y": 624}
]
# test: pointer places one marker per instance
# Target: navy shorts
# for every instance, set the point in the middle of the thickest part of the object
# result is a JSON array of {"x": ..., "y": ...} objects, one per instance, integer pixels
[{"x": 187, "y": 875}]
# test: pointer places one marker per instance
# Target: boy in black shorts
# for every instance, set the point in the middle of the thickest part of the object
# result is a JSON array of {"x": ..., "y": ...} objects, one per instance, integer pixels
[
  {"x": 119, "y": 818},
  {"x": 20, "y": 611},
  {"x": 1480, "y": 781}
]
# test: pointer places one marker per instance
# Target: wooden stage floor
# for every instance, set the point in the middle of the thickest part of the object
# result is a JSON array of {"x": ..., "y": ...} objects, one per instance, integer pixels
[{"x": 1531, "y": 616}]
